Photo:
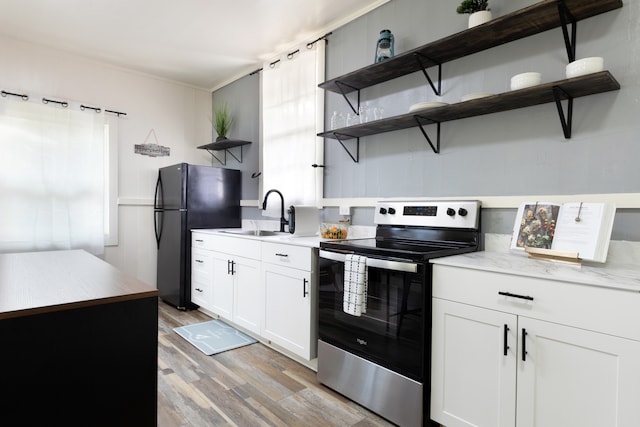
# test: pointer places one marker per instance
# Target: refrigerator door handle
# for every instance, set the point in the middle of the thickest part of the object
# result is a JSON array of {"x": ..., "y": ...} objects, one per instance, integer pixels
[
  {"x": 157, "y": 214},
  {"x": 158, "y": 225},
  {"x": 158, "y": 192}
]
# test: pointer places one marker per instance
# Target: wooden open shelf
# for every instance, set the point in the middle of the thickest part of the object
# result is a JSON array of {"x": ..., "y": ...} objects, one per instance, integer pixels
[
  {"x": 541, "y": 94},
  {"x": 531, "y": 20},
  {"x": 225, "y": 144},
  {"x": 537, "y": 18}
]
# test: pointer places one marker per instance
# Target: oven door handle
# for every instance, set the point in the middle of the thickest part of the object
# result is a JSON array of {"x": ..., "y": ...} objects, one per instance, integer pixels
[{"x": 385, "y": 264}]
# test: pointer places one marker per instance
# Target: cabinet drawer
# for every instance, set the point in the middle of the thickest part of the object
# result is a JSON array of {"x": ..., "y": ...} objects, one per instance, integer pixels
[
  {"x": 200, "y": 263},
  {"x": 248, "y": 248},
  {"x": 200, "y": 240},
  {"x": 299, "y": 257},
  {"x": 594, "y": 308},
  {"x": 200, "y": 292}
]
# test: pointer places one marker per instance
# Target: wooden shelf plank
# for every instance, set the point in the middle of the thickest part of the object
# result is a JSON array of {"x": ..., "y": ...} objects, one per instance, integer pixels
[
  {"x": 525, "y": 22},
  {"x": 224, "y": 144},
  {"x": 541, "y": 94}
]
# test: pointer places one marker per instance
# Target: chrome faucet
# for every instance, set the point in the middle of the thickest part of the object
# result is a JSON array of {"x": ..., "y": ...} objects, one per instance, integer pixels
[{"x": 283, "y": 221}]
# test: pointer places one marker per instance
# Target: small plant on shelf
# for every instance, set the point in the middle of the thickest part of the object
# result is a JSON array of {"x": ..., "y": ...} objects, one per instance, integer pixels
[
  {"x": 472, "y": 6},
  {"x": 223, "y": 120}
]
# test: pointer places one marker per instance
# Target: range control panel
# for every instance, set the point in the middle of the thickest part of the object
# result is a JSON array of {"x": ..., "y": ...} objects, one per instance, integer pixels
[{"x": 429, "y": 213}]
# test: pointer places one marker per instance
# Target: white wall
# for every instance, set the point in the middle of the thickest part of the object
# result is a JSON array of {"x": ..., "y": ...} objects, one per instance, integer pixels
[{"x": 178, "y": 113}]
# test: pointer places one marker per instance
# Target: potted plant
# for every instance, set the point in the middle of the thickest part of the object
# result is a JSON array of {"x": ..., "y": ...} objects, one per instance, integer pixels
[
  {"x": 223, "y": 121},
  {"x": 478, "y": 11}
]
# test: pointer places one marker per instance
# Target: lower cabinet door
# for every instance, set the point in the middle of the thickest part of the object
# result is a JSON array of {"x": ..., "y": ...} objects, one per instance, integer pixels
[
  {"x": 221, "y": 300},
  {"x": 573, "y": 377},
  {"x": 473, "y": 374},
  {"x": 248, "y": 294},
  {"x": 287, "y": 308}
]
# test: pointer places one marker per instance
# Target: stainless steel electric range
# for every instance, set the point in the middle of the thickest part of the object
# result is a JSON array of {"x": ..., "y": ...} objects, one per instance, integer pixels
[{"x": 381, "y": 358}]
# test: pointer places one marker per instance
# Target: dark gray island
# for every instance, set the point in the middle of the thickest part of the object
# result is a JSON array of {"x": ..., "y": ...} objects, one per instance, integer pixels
[{"x": 79, "y": 342}]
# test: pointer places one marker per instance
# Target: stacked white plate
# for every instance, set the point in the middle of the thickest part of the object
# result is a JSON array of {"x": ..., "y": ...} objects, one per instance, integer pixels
[
  {"x": 423, "y": 105},
  {"x": 521, "y": 81},
  {"x": 585, "y": 66},
  {"x": 478, "y": 95}
]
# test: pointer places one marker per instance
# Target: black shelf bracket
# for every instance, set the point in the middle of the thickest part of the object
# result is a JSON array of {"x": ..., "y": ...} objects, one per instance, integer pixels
[
  {"x": 437, "y": 91},
  {"x": 569, "y": 41},
  {"x": 341, "y": 87},
  {"x": 223, "y": 161},
  {"x": 355, "y": 158},
  {"x": 436, "y": 148},
  {"x": 564, "y": 121}
]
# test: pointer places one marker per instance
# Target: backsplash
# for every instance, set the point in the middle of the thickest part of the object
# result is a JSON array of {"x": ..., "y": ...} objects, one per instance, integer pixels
[{"x": 620, "y": 251}]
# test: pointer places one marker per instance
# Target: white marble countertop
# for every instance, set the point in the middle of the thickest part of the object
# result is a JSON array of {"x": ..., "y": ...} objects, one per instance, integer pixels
[
  {"x": 287, "y": 238},
  {"x": 623, "y": 276}
]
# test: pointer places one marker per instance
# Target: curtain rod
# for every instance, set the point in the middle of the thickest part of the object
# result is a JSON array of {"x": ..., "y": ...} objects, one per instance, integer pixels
[
  {"x": 310, "y": 44},
  {"x": 290, "y": 55},
  {"x": 21, "y": 95},
  {"x": 64, "y": 104}
]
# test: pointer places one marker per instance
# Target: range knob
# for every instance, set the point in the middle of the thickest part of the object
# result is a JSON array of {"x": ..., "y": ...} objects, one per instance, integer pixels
[
  {"x": 462, "y": 212},
  {"x": 392, "y": 211},
  {"x": 451, "y": 212},
  {"x": 383, "y": 211}
]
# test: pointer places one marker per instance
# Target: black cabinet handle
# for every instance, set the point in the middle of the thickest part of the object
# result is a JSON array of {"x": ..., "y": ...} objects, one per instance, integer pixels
[
  {"x": 233, "y": 267},
  {"x": 304, "y": 288},
  {"x": 199, "y": 261},
  {"x": 282, "y": 255},
  {"x": 199, "y": 240},
  {"x": 524, "y": 345},
  {"x": 198, "y": 289},
  {"x": 229, "y": 267},
  {"x": 504, "y": 343},
  {"x": 509, "y": 294}
]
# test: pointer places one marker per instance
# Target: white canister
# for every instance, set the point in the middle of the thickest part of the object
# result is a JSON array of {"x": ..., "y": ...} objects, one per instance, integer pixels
[{"x": 479, "y": 17}]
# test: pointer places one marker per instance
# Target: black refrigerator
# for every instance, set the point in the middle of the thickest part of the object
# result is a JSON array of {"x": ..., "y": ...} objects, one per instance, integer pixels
[{"x": 187, "y": 197}]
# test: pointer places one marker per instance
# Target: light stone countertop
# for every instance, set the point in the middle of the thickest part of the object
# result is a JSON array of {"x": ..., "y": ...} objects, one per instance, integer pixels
[
  {"x": 614, "y": 275},
  {"x": 355, "y": 232}
]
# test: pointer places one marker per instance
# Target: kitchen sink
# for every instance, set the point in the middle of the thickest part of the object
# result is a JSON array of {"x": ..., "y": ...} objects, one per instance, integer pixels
[{"x": 258, "y": 233}]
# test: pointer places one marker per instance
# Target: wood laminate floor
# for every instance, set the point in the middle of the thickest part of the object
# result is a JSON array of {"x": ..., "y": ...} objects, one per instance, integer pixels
[{"x": 250, "y": 386}]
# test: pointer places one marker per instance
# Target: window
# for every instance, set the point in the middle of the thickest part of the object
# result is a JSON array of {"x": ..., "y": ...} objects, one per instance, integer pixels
[
  {"x": 292, "y": 115},
  {"x": 52, "y": 177}
]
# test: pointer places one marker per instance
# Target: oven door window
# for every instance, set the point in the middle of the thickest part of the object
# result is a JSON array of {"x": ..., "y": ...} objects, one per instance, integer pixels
[{"x": 392, "y": 331}]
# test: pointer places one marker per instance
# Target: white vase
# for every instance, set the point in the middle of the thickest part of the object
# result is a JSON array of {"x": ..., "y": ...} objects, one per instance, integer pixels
[{"x": 479, "y": 17}]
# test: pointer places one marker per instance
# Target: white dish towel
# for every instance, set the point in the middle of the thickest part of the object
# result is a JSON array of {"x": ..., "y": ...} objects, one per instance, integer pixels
[{"x": 355, "y": 285}]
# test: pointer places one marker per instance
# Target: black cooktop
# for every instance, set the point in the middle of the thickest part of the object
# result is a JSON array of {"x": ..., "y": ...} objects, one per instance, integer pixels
[
  {"x": 409, "y": 242},
  {"x": 414, "y": 250}
]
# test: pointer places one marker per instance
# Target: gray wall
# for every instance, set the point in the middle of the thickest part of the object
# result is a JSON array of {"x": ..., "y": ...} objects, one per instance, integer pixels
[
  {"x": 520, "y": 152},
  {"x": 243, "y": 96}
]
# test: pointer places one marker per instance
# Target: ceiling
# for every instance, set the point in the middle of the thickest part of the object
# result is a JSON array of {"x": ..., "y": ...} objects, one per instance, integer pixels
[{"x": 204, "y": 43}]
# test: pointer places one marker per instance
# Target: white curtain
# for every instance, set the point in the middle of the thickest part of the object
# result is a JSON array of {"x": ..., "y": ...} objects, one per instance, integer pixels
[
  {"x": 51, "y": 178},
  {"x": 292, "y": 115}
]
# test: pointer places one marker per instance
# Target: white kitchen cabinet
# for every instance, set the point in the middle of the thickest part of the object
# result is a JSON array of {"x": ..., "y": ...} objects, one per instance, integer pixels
[
  {"x": 201, "y": 272},
  {"x": 289, "y": 304},
  {"x": 472, "y": 382},
  {"x": 266, "y": 287},
  {"x": 247, "y": 297},
  {"x": 234, "y": 290},
  {"x": 222, "y": 285},
  {"x": 572, "y": 352},
  {"x": 573, "y": 377}
]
